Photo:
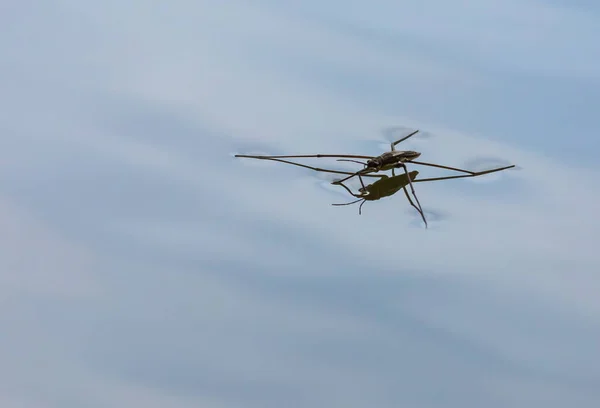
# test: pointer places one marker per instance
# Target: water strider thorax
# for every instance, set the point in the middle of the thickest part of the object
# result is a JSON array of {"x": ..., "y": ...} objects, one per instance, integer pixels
[{"x": 390, "y": 159}]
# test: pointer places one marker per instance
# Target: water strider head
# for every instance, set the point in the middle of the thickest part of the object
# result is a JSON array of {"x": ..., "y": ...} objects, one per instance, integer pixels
[{"x": 374, "y": 163}]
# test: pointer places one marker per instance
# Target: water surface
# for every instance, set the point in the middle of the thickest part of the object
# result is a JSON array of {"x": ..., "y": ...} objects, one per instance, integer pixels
[{"x": 142, "y": 264}]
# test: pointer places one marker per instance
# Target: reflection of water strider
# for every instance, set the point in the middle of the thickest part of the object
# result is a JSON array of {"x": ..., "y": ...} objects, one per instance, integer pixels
[
  {"x": 384, "y": 187},
  {"x": 387, "y": 161}
]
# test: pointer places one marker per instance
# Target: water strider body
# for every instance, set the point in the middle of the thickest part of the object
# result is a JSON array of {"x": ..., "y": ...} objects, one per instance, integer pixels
[{"x": 391, "y": 160}]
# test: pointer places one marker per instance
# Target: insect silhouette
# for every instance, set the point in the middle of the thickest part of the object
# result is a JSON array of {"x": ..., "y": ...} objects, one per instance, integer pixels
[
  {"x": 384, "y": 187},
  {"x": 390, "y": 160}
]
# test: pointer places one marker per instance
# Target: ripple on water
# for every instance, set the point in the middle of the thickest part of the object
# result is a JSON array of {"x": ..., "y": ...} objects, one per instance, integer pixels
[{"x": 435, "y": 218}]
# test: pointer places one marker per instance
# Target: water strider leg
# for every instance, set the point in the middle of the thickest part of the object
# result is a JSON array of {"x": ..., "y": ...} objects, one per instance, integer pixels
[
  {"x": 354, "y": 202},
  {"x": 348, "y": 190},
  {"x": 363, "y": 172},
  {"x": 393, "y": 144},
  {"x": 360, "y": 207},
  {"x": 351, "y": 202},
  {"x": 411, "y": 201},
  {"x": 420, "y": 209},
  {"x": 354, "y": 161},
  {"x": 475, "y": 174},
  {"x": 472, "y": 173},
  {"x": 318, "y": 168},
  {"x": 361, "y": 181},
  {"x": 297, "y": 156}
]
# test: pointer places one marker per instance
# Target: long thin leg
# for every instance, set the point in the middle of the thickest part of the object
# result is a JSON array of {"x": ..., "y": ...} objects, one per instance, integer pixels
[
  {"x": 472, "y": 174},
  {"x": 318, "y": 168},
  {"x": 393, "y": 144},
  {"x": 361, "y": 181},
  {"x": 410, "y": 199},
  {"x": 354, "y": 161},
  {"x": 349, "y": 156},
  {"x": 349, "y": 191},
  {"x": 351, "y": 202},
  {"x": 360, "y": 207},
  {"x": 420, "y": 209},
  {"x": 475, "y": 173},
  {"x": 362, "y": 172},
  {"x": 364, "y": 188}
]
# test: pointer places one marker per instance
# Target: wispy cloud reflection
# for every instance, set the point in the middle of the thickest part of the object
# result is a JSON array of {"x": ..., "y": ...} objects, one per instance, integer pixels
[{"x": 143, "y": 265}]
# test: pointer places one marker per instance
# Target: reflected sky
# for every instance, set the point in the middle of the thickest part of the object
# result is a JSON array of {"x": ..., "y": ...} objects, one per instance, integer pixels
[{"x": 143, "y": 265}]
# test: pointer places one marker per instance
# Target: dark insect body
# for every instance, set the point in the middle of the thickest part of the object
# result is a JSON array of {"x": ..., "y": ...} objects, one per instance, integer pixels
[{"x": 386, "y": 186}]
